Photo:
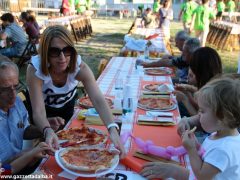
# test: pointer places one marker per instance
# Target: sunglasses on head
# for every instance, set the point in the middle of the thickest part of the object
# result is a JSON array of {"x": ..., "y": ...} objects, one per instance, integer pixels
[{"x": 55, "y": 52}]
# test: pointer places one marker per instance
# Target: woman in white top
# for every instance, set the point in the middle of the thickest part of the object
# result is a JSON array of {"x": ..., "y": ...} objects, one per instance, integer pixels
[
  {"x": 52, "y": 78},
  {"x": 166, "y": 15}
]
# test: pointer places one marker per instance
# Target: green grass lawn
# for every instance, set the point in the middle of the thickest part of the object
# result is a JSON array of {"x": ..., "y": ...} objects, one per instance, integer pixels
[{"x": 107, "y": 41}]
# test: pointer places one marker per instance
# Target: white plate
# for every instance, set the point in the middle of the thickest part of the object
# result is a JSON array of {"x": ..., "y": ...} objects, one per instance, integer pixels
[
  {"x": 156, "y": 91},
  {"x": 174, "y": 106},
  {"x": 167, "y": 70},
  {"x": 84, "y": 173}
]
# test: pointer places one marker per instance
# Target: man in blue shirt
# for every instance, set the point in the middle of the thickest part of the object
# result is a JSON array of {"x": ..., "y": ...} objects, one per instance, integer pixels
[{"x": 14, "y": 125}]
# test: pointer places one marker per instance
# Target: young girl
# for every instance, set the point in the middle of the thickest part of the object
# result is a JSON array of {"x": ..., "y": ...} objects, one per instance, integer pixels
[{"x": 219, "y": 104}]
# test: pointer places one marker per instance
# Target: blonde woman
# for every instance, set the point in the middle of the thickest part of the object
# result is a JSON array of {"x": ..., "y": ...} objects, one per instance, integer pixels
[{"x": 52, "y": 79}]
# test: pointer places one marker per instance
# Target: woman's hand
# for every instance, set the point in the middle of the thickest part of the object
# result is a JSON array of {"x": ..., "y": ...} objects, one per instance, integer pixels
[
  {"x": 185, "y": 87},
  {"x": 56, "y": 122},
  {"x": 51, "y": 140},
  {"x": 181, "y": 96},
  {"x": 116, "y": 141},
  {"x": 163, "y": 170}
]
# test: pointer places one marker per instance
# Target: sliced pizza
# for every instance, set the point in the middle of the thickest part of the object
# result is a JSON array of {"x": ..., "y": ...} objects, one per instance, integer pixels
[
  {"x": 89, "y": 160},
  {"x": 158, "y": 71},
  {"x": 85, "y": 102},
  {"x": 84, "y": 136},
  {"x": 155, "y": 103},
  {"x": 152, "y": 87}
]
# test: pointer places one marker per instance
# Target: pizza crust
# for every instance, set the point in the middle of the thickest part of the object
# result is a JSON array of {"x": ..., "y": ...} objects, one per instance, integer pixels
[
  {"x": 64, "y": 154},
  {"x": 158, "y": 71},
  {"x": 85, "y": 102},
  {"x": 155, "y": 103}
]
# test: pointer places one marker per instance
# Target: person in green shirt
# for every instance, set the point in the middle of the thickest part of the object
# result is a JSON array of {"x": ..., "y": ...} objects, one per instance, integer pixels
[
  {"x": 201, "y": 20},
  {"x": 156, "y": 6},
  {"x": 220, "y": 9},
  {"x": 72, "y": 7},
  {"x": 186, "y": 12},
  {"x": 231, "y": 8},
  {"x": 81, "y": 6}
]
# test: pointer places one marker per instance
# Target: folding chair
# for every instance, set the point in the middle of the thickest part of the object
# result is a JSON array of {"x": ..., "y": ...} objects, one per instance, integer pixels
[
  {"x": 30, "y": 50},
  {"x": 102, "y": 65}
]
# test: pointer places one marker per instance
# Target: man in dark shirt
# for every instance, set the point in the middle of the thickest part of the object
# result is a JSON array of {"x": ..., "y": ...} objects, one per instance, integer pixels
[{"x": 146, "y": 18}]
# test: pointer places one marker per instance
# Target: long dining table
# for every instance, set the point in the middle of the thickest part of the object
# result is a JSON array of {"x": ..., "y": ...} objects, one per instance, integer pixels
[{"x": 163, "y": 136}]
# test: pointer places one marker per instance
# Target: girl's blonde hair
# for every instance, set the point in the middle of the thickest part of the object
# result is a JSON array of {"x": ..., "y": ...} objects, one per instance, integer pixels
[
  {"x": 56, "y": 31},
  {"x": 222, "y": 95}
]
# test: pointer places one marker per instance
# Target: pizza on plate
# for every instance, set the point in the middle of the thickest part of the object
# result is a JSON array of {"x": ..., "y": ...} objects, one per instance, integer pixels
[
  {"x": 85, "y": 102},
  {"x": 158, "y": 71},
  {"x": 84, "y": 136},
  {"x": 160, "y": 103},
  {"x": 152, "y": 87},
  {"x": 89, "y": 160}
]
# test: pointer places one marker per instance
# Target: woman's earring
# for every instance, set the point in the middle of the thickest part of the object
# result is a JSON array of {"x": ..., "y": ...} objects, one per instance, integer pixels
[{"x": 48, "y": 65}]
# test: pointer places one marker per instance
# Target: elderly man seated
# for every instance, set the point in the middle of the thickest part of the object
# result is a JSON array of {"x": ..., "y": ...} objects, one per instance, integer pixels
[
  {"x": 13, "y": 32},
  {"x": 187, "y": 46},
  {"x": 14, "y": 125}
]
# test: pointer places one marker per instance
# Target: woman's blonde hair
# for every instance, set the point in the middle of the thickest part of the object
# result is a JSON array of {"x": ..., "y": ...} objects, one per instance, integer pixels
[
  {"x": 222, "y": 95},
  {"x": 56, "y": 31}
]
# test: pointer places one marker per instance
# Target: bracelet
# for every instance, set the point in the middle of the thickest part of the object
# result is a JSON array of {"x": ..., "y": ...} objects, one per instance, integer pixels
[
  {"x": 44, "y": 130},
  {"x": 113, "y": 125}
]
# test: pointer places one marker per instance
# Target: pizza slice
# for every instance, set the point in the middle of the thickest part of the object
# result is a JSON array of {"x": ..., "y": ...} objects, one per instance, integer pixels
[{"x": 84, "y": 136}]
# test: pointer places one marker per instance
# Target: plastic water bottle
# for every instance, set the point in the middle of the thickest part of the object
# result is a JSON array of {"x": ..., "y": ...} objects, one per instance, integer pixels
[
  {"x": 127, "y": 100},
  {"x": 119, "y": 86},
  {"x": 146, "y": 52},
  {"x": 127, "y": 105}
]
